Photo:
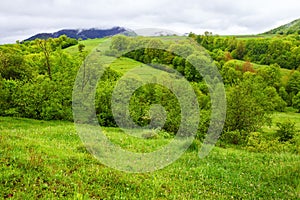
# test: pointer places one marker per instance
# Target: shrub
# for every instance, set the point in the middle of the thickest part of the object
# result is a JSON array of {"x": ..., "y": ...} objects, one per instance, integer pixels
[
  {"x": 203, "y": 124},
  {"x": 286, "y": 131},
  {"x": 233, "y": 137},
  {"x": 150, "y": 135},
  {"x": 296, "y": 102},
  {"x": 258, "y": 142}
]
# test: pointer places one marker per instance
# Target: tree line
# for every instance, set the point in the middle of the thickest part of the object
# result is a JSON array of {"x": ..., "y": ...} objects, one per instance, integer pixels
[{"x": 282, "y": 50}]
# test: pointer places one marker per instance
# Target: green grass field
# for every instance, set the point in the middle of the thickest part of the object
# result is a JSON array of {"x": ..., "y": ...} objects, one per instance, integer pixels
[
  {"x": 249, "y": 37},
  {"x": 284, "y": 117},
  {"x": 47, "y": 160},
  {"x": 90, "y": 45}
]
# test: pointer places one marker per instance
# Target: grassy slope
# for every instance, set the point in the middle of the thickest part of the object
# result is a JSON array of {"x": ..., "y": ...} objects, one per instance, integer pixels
[
  {"x": 248, "y": 37},
  {"x": 89, "y": 45},
  {"x": 284, "y": 117},
  {"x": 121, "y": 64},
  {"x": 292, "y": 27},
  {"x": 47, "y": 160}
]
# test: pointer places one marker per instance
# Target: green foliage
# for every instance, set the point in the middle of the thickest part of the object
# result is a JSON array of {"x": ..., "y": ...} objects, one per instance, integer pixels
[
  {"x": 233, "y": 137},
  {"x": 181, "y": 49},
  {"x": 271, "y": 75},
  {"x": 149, "y": 95},
  {"x": 81, "y": 47},
  {"x": 190, "y": 72},
  {"x": 120, "y": 43},
  {"x": 247, "y": 106},
  {"x": 296, "y": 102},
  {"x": 260, "y": 142},
  {"x": 293, "y": 84},
  {"x": 42, "y": 99},
  {"x": 283, "y": 93},
  {"x": 239, "y": 52},
  {"x": 290, "y": 28},
  {"x": 262, "y": 50},
  {"x": 230, "y": 75},
  {"x": 43, "y": 90},
  {"x": 12, "y": 64},
  {"x": 7, "y": 89},
  {"x": 286, "y": 131},
  {"x": 103, "y": 98},
  {"x": 273, "y": 101},
  {"x": 204, "y": 123}
]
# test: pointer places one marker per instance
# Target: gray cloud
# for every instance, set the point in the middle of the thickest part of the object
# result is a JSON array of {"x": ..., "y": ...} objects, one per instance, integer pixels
[{"x": 22, "y": 18}]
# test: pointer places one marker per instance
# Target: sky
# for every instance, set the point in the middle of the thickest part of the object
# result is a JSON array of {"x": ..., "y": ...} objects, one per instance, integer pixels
[{"x": 20, "y": 19}]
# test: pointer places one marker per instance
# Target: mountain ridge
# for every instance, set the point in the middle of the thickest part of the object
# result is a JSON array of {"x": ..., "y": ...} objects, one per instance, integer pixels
[{"x": 84, "y": 34}]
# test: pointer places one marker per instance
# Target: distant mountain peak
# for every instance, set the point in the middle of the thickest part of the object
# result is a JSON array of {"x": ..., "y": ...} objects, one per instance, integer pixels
[
  {"x": 155, "y": 32},
  {"x": 84, "y": 34}
]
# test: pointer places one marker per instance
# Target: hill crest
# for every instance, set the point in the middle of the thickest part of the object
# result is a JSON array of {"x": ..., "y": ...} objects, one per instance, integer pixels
[
  {"x": 289, "y": 28},
  {"x": 83, "y": 34}
]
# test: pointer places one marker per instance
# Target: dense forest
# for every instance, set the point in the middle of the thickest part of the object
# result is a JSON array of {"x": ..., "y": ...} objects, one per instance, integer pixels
[{"x": 261, "y": 76}]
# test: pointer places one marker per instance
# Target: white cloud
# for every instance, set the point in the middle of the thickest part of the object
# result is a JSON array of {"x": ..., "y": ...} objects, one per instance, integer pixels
[{"x": 22, "y": 18}]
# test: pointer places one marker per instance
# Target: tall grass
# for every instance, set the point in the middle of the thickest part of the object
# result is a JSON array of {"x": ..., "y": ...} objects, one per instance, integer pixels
[{"x": 46, "y": 160}]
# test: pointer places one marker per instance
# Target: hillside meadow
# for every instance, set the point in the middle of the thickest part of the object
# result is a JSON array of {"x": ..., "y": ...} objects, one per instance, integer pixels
[
  {"x": 256, "y": 157},
  {"x": 47, "y": 160}
]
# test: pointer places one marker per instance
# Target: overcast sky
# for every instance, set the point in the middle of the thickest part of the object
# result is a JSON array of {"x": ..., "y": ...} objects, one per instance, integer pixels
[{"x": 20, "y": 19}]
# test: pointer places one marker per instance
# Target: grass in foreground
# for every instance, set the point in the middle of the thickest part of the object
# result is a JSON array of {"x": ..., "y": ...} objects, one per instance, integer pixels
[{"x": 47, "y": 160}]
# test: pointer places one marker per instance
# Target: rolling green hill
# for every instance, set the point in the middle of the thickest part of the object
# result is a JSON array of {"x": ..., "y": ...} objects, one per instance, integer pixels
[
  {"x": 48, "y": 160},
  {"x": 290, "y": 28}
]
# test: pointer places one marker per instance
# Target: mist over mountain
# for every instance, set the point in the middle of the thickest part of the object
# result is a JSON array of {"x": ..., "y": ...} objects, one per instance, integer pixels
[{"x": 92, "y": 33}]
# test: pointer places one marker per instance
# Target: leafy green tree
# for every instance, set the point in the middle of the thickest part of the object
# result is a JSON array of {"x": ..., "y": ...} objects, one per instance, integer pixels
[
  {"x": 7, "y": 89},
  {"x": 178, "y": 61},
  {"x": 154, "y": 50},
  {"x": 295, "y": 57},
  {"x": 273, "y": 100},
  {"x": 296, "y": 102},
  {"x": 271, "y": 75},
  {"x": 190, "y": 72},
  {"x": 12, "y": 64},
  {"x": 293, "y": 84},
  {"x": 183, "y": 50},
  {"x": 256, "y": 50},
  {"x": 230, "y": 75},
  {"x": 81, "y": 48},
  {"x": 279, "y": 51},
  {"x": 248, "y": 105},
  {"x": 243, "y": 112},
  {"x": 46, "y": 49},
  {"x": 286, "y": 131},
  {"x": 120, "y": 43},
  {"x": 218, "y": 55},
  {"x": 240, "y": 51}
]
